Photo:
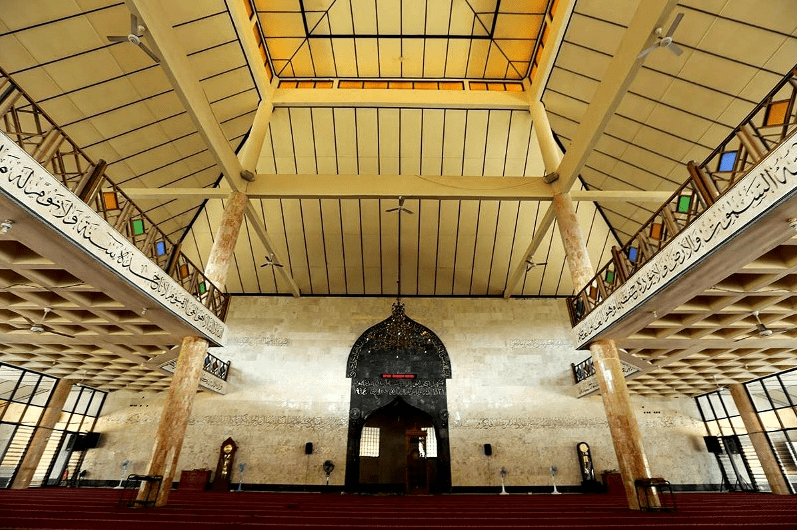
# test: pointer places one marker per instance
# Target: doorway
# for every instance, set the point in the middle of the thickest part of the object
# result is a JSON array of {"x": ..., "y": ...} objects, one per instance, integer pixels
[{"x": 397, "y": 450}]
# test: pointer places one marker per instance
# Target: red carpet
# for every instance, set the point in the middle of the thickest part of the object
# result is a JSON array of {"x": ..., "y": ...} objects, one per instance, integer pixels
[{"x": 88, "y": 508}]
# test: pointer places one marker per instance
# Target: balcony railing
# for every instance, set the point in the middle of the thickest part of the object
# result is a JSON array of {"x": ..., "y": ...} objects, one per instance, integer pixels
[
  {"x": 772, "y": 120},
  {"x": 31, "y": 128}
]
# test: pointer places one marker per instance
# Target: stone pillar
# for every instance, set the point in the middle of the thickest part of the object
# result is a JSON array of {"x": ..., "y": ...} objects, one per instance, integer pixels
[
  {"x": 50, "y": 416},
  {"x": 759, "y": 440},
  {"x": 623, "y": 425},
  {"x": 185, "y": 380}
]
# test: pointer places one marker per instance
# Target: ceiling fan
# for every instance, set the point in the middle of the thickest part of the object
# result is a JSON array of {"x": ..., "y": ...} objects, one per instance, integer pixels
[
  {"x": 136, "y": 32},
  {"x": 666, "y": 40},
  {"x": 40, "y": 327},
  {"x": 765, "y": 289},
  {"x": 400, "y": 207},
  {"x": 270, "y": 262},
  {"x": 762, "y": 330},
  {"x": 530, "y": 263}
]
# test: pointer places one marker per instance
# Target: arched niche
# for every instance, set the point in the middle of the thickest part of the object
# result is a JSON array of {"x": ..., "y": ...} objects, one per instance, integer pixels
[{"x": 398, "y": 365}]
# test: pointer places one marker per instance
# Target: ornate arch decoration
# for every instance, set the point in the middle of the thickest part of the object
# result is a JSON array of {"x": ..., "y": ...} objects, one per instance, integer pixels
[{"x": 399, "y": 332}]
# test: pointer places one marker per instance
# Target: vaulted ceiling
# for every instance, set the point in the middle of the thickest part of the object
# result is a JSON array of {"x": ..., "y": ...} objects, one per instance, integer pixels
[{"x": 422, "y": 80}]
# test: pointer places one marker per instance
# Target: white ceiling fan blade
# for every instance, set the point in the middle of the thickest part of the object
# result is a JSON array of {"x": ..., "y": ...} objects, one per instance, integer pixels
[
  {"x": 48, "y": 329},
  {"x": 647, "y": 51},
  {"x": 149, "y": 52},
  {"x": 675, "y": 48},
  {"x": 674, "y": 25}
]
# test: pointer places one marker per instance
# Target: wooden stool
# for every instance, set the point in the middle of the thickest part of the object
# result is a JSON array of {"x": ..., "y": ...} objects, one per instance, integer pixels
[{"x": 647, "y": 484}]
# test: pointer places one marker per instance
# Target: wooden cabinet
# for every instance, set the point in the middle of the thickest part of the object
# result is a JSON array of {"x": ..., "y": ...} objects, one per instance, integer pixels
[{"x": 194, "y": 480}]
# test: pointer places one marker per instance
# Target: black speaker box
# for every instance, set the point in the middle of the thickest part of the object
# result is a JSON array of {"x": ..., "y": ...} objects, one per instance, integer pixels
[
  {"x": 732, "y": 444},
  {"x": 713, "y": 444},
  {"x": 488, "y": 450},
  {"x": 308, "y": 448},
  {"x": 84, "y": 441}
]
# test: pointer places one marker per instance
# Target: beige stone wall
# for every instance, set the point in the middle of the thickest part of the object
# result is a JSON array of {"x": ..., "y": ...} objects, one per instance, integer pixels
[{"x": 511, "y": 387}]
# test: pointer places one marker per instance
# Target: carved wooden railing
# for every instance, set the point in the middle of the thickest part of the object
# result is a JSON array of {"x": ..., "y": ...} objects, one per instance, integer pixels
[
  {"x": 772, "y": 120},
  {"x": 22, "y": 120},
  {"x": 583, "y": 370}
]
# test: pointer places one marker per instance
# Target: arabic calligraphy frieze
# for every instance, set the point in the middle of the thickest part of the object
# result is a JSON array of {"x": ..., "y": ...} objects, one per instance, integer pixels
[
  {"x": 36, "y": 190},
  {"x": 400, "y": 387},
  {"x": 774, "y": 180}
]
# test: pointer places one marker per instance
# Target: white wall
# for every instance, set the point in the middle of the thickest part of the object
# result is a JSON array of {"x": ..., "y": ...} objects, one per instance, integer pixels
[{"x": 511, "y": 386}]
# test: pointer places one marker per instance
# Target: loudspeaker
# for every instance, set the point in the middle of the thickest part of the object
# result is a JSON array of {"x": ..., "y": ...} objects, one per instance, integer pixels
[
  {"x": 732, "y": 444},
  {"x": 713, "y": 444},
  {"x": 488, "y": 450},
  {"x": 88, "y": 440},
  {"x": 308, "y": 448}
]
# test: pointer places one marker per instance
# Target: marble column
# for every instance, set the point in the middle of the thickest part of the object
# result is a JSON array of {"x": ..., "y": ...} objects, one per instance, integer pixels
[
  {"x": 185, "y": 380},
  {"x": 50, "y": 417},
  {"x": 631, "y": 458},
  {"x": 758, "y": 437}
]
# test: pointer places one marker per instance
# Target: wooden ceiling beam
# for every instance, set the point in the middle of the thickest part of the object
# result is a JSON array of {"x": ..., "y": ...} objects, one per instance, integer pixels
[{"x": 393, "y": 186}]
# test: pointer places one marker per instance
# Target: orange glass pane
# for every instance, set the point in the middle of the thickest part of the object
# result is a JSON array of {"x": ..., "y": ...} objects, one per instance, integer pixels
[
  {"x": 776, "y": 112},
  {"x": 478, "y": 86},
  {"x": 110, "y": 201},
  {"x": 288, "y": 84},
  {"x": 248, "y": 7},
  {"x": 350, "y": 84},
  {"x": 265, "y": 63},
  {"x": 305, "y": 84},
  {"x": 256, "y": 32},
  {"x": 553, "y": 7},
  {"x": 183, "y": 271},
  {"x": 545, "y": 31},
  {"x": 400, "y": 84},
  {"x": 426, "y": 85},
  {"x": 451, "y": 86},
  {"x": 376, "y": 84},
  {"x": 533, "y": 71},
  {"x": 514, "y": 87},
  {"x": 655, "y": 231},
  {"x": 324, "y": 84},
  {"x": 538, "y": 55},
  {"x": 500, "y": 87}
]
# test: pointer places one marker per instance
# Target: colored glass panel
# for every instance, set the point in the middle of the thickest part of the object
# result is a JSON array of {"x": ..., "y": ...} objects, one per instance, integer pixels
[
  {"x": 633, "y": 253},
  {"x": 727, "y": 161},
  {"x": 202, "y": 288},
  {"x": 683, "y": 203},
  {"x": 655, "y": 231},
  {"x": 610, "y": 276},
  {"x": 110, "y": 201},
  {"x": 183, "y": 271},
  {"x": 138, "y": 227},
  {"x": 160, "y": 248},
  {"x": 776, "y": 113}
]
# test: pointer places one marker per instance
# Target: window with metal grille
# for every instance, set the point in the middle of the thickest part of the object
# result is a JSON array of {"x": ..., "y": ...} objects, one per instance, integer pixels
[
  {"x": 369, "y": 441},
  {"x": 431, "y": 443}
]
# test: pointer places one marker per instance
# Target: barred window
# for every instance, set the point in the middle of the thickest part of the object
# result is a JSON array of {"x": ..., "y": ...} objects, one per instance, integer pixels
[
  {"x": 369, "y": 441},
  {"x": 431, "y": 443}
]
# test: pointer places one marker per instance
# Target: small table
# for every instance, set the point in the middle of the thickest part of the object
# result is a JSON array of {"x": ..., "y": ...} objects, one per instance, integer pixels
[
  {"x": 132, "y": 484},
  {"x": 645, "y": 485}
]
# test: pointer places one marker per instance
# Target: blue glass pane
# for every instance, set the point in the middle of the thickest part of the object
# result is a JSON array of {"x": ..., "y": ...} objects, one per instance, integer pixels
[
  {"x": 727, "y": 161},
  {"x": 632, "y": 254},
  {"x": 160, "y": 248}
]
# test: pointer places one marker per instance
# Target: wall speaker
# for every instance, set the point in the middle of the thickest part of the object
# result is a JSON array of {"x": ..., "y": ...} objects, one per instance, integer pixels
[
  {"x": 732, "y": 444},
  {"x": 308, "y": 448},
  {"x": 488, "y": 450},
  {"x": 88, "y": 440},
  {"x": 713, "y": 444}
]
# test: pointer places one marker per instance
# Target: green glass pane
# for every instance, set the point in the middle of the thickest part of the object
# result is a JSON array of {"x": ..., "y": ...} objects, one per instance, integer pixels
[
  {"x": 683, "y": 203},
  {"x": 138, "y": 227},
  {"x": 202, "y": 288},
  {"x": 610, "y": 276}
]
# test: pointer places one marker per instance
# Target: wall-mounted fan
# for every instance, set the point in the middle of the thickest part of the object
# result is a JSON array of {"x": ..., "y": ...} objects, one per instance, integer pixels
[
  {"x": 761, "y": 330},
  {"x": 40, "y": 327},
  {"x": 665, "y": 41},
  {"x": 136, "y": 32},
  {"x": 271, "y": 261}
]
